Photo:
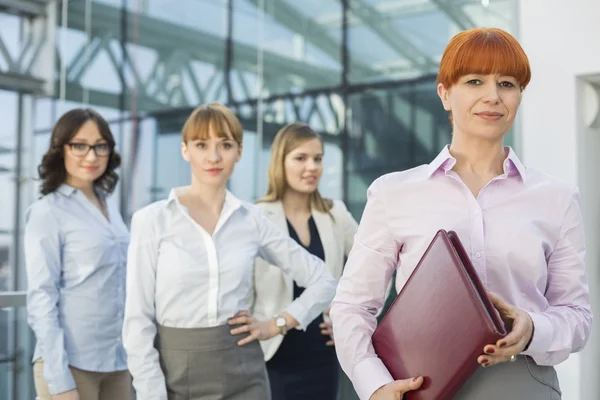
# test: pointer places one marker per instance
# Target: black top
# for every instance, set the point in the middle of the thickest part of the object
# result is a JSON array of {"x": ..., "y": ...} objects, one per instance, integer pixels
[{"x": 307, "y": 347}]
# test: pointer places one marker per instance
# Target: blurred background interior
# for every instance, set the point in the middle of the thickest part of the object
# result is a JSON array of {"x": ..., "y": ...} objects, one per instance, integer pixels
[{"x": 360, "y": 72}]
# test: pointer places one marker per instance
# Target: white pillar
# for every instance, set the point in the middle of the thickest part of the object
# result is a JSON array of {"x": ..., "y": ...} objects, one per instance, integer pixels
[{"x": 561, "y": 40}]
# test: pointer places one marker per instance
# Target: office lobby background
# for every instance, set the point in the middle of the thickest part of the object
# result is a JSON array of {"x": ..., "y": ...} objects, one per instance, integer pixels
[{"x": 360, "y": 72}]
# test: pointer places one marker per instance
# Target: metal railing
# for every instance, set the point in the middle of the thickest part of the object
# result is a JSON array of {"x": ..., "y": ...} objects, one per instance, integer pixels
[
  {"x": 12, "y": 299},
  {"x": 14, "y": 356}
]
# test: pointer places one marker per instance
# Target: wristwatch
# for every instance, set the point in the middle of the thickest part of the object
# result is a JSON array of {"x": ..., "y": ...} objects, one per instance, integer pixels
[{"x": 281, "y": 323}]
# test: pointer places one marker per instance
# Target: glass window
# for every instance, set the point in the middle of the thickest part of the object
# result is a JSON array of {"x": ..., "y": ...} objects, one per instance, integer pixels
[
  {"x": 41, "y": 142},
  {"x": 297, "y": 53},
  {"x": 10, "y": 38},
  {"x": 90, "y": 51},
  {"x": 496, "y": 13},
  {"x": 394, "y": 40},
  {"x": 119, "y": 132},
  {"x": 61, "y": 107},
  {"x": 248, "y": 171},
  {"x": 8, "y": 159},
  {"x": 207, "y": 16},
  {"x": 139, "y": 164},
  {"x": 45, "y": 117},
  {"x": 176, "y": 53},
  {"x": 16, "y": 352},
  {"x": 171, "y": 169},
  {"x": 333, "y": 169},
  {"x": 391, "y": 130},
  {"x": 405, "y": 39},
  {"x": 15, "y": 349}
]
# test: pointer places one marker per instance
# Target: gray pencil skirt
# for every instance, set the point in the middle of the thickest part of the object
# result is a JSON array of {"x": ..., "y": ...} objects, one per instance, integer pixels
[
  {"x": 207, "y": 364},
  {"x": 520, "y": 380}
]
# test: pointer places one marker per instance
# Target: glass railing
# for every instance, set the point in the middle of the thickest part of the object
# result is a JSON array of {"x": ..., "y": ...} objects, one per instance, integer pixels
[{"x": 16, "y": 348}]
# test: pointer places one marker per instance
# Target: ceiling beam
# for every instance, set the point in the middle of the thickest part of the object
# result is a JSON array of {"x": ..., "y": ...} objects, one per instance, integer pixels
[
  {"x": 392, "y": 36},
  {"x": 389, "y": 9},
  {"x": 161, "y": 35},
  {"x": 75, "y": 92},
  {"x": 314, "y": 32},
  {"x": 29, "y": 8},
  {"x": 21, "y": 83},
  {"x": 455, "y": 13}
]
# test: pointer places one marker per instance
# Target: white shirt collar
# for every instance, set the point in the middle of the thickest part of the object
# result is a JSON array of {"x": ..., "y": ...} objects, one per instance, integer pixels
[{"x": 231, "y": 202}]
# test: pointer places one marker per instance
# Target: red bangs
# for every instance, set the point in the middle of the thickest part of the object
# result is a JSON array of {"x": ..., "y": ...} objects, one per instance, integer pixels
[{"x": 484, "y": 51}]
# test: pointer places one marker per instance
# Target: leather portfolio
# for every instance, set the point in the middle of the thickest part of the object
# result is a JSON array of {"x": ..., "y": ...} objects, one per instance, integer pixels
[{"x": 439, "y": 323}]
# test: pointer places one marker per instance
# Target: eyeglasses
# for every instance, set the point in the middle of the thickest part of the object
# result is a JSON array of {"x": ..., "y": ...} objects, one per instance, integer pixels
[{"x": 82, "y": 149}]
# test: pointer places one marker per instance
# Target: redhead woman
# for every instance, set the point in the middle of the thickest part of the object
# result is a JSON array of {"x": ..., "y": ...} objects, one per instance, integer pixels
[{"x": 522, "y": 228}]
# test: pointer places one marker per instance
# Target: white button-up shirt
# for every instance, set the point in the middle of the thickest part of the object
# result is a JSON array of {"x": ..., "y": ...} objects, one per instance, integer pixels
[{"x": 180, "y": 276}]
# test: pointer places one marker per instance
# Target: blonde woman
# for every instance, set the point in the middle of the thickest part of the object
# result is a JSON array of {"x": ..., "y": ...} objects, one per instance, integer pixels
[
  {"x": 187, "y": 332},
  {"x": 302, "y": 364}
]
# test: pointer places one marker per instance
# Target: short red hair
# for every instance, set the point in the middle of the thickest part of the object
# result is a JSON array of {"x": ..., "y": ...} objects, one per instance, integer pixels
[{"x": 483, "y": 51}]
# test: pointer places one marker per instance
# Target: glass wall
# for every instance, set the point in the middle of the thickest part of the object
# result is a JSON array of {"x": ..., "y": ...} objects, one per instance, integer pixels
[
  {"x": 7, "y": 230},
  {"x": 361, "y": 72},
  {"x": 8, "y": 141}
]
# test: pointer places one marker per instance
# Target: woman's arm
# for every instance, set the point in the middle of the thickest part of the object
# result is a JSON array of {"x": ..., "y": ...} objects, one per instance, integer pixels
[
  {"x": 564, "y": 327},
  {"x": 139, "y": 326},
  {"x": 43, "y": 262},
  {"x": 279, "y": 249},
  {"x": 361, "y": 295}
]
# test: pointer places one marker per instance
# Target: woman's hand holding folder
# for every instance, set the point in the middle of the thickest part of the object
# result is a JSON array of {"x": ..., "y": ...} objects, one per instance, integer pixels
[
  {"x": 395, "y": 390},
  {"x": 520, "y": 327}
]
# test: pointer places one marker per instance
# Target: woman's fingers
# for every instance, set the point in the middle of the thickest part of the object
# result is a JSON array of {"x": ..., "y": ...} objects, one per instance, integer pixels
[
  {"x": 499, "y": 302},
  {"x": 326, "y": 328},
  {"x": 505, "y": 309},
  {"x": 521, "y": 328},
  {"x": 239, "y": 320},
  {"x": 520, "y": 333},
  {"x": 242, "y": 318},
  {"x": 242, "y": 313},
  {"x": 495, "y": 355},
  {"x": 241, "y": 329},
  {"x": 246, "y": 340},
  {"x": 326, "y": 332},
  {"x": 487, "y": 360}
]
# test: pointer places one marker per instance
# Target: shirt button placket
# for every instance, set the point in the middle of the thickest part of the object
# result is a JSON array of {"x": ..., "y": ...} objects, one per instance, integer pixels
[{"x": 478, "y": 242}]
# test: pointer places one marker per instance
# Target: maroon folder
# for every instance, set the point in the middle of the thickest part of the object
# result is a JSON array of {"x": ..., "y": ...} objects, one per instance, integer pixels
[{"x": 439, "y": 323}]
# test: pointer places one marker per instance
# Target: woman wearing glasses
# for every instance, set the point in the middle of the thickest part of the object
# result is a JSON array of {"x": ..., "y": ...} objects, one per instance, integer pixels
[{"x": 75, "y": 254}]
